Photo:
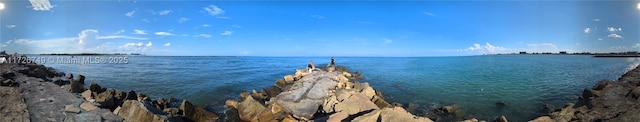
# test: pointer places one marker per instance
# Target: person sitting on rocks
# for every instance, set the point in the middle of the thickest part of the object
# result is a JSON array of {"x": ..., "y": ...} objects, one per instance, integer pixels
[{"x": 311, "y": 67}]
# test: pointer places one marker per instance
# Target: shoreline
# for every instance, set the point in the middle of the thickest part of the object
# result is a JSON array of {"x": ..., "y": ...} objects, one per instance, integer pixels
[
  {"x": 39, "y": 93},
  {"x": 36, "y": 85},
  {"x": 605, "y": 101}
]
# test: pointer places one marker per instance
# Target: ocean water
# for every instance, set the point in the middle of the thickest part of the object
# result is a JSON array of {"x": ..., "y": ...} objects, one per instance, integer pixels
[{"x": 474, "y": 83}]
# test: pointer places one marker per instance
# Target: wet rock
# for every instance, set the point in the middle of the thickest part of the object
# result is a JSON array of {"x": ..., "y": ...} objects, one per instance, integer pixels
[
  {"x": 81, "y": 79},
  {"x": 136, "y": 111},
  {"x": 173, "y": 112},
  {"x": 75, "y": 87},
  {"x": 132, "y": 95},
  {"x": 501, "y": 103},
  {"x": 244, "y": 95},
  {"x": 71, "y": 109},
  {"x": 273, "y": 91},
  {"x": 69, "y": 76},
  {"x": 398, "y": 114},
  {"x": 501, "y": 119},
  {"x": 160, "y": 104},
  {"x": 196, "y": 114},
  {"x": 93, "y": 86},
  {"x": 87, "y": 106},
  {"x": 143, "y": 97},
  {"x": 587, "y": 94},
  {"x": 450, "y": 109},
  {"x": 601, "y": 85},
  {"x": 249, "y": 109},
  {"x": 381, "y": 103},
  {"x": 231, "y": 103},
  {"x": 471, "y": 120},
  {"x": 106, "y": 99}
]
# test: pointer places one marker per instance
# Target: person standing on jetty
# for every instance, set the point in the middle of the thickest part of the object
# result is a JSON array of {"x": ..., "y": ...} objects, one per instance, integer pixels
[
  {"x": 333, "y": 61},
  {"x": 311, "y": 67}
]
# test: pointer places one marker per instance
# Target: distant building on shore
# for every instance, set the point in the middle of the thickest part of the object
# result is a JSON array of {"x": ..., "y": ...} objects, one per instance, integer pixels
[{"x": 523, "y": 52}]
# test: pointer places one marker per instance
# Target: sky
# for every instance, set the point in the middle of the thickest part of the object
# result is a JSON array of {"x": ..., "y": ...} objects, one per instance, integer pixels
[{"x": 318, "y": 28}]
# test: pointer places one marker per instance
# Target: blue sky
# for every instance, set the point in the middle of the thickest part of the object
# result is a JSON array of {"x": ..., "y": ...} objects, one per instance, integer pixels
[{"x": 364, "y": 28}]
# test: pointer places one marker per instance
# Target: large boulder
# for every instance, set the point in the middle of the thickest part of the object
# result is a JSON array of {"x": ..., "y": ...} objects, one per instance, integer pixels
[
  {"x": 338, "y": 117},
  {"x": 106, "y": 99},
  {"x": 135, "y": 111},
  {"x": 356, "y": 103},
  {"x": 542, "y": 119},
  {"x": 288, "y": 78},
  {"x": 635, "y": 93},
  {"x": 249, "y": 109},
  {"x": 81, "y": 79},
  {"x": 369, "y": 117},
  {"x": 196, "y": 114},
  {"x": 93, "y": 86},
  {"x": 601, "y": 85},
  {"x": 131, "y": 95},
  {"x": 75, "y": 87},
  {"x": 398, "y": 114}
]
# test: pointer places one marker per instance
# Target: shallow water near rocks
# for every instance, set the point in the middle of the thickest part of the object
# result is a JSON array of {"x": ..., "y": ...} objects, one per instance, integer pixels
[{"x": 474, "y": 83}]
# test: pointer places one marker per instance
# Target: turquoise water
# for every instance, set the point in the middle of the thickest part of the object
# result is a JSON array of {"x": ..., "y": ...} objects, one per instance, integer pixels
[{"x": 474, "y": 83}]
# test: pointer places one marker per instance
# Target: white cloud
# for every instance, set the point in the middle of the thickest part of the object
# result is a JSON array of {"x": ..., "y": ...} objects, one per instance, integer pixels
[
  {"x": 600, "y": 39},
  {"x": 317, "y": 16},
  {"x": 130, "y": 14},
  {"x": 164, "y": 34},
  {"x": 121, "y": 37},
  {"x": 10, "y": 26},
  {"x": 214, "y": 10},
  {"x": 429, "y": 14},
  {"x": 206, "y": 25},
  {"x": 613, "y": 35},
  {"x": 612, "y": 29},
  {"x": 387, "y": 41},
  {"x": 164, "y": 12},
  {"x": 167, "y": 44},
  {"x": 119, "y": 32},
  {"x": 139, "y": 32},
  {"x": 226, "y": 33},
  {"x": 596, "y": 19},
  {"x": 636, "y": 46},
  {"x": 204, "y": 35},
  {"x": 487, "y": 48},
  {"x": 587, "y": 30},
  {"x": 145, "y": 20},
  {"x": 544, "y": 45},
  {"x": 85, "y": 36},
  {"x": 71, "y": 44},
  {"x": 148, "y": 44},
  {"x": 41, "y": 5},
  {"x": 181, "y": 20}
]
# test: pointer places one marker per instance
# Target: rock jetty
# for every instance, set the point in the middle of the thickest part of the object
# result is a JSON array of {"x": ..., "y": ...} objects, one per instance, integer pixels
[
  {"x": 32, "y": 92},
  {"x": 323, "y": 95},
  {"x": 615, "y": 101}
]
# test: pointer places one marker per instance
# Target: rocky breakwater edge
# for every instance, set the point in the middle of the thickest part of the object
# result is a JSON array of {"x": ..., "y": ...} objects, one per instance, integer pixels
[
  {"x": 32, "y": 92},
  {"x": 329, "y": 94},
  {"x": 616, "y": 101}
]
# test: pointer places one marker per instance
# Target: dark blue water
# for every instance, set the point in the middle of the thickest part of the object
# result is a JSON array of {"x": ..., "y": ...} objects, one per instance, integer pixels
[{"x": 474, "y": 83}]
